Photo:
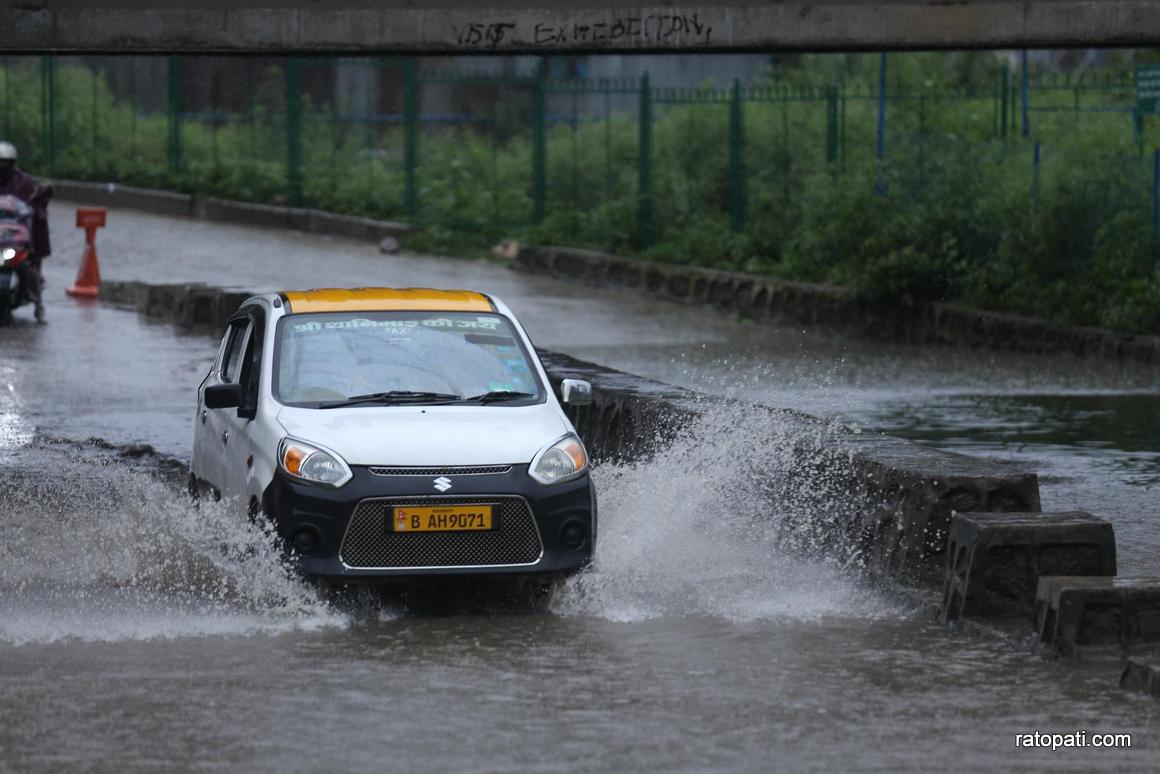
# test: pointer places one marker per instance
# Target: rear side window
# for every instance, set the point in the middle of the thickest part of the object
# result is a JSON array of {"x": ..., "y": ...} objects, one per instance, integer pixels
[
  {"x": 235, "y": 347},
  {"x": 251, "y": 361}
]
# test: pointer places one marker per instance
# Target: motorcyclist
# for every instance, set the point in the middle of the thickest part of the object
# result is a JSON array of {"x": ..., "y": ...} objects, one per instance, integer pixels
[{"x": 16, "y": 182}]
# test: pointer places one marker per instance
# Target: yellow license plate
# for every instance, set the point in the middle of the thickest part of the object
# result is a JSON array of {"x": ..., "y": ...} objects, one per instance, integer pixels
[{"x": 448, "y": 518}]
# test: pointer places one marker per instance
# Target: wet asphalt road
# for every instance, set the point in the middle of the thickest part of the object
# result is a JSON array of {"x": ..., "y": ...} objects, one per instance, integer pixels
[{"x": 137, "y": 633}]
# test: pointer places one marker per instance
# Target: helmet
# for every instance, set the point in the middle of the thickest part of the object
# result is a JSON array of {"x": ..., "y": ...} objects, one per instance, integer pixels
[{"x": 7, "y": 151}]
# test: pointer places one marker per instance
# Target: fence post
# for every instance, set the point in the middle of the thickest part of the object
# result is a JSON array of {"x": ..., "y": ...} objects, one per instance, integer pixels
[
  {"x": 644, "y": 182},
  {"x": 411, "y": 137},
  {"x": 1023, "y": 89},
  {"x": 832, "y": 124},
  {"x": 539, "y": 149},
  {"x": 133, "y": 107},
  {"x": 94, "y": 113},
  {"x": 879, "y": 185},
  {"x": 7, "y": 98},
  {"x": 842, "y": 134},
  {"x": 1004, "y": 99},
  {"x": 48, "y": 110},
  {"x": 175, "y": 102},
  {"x": 1155, "y": 210},
  {"x": 736, "y": 161},
  {"x": 294, "y": 132},
  {"x": 1035, "y": 177}
]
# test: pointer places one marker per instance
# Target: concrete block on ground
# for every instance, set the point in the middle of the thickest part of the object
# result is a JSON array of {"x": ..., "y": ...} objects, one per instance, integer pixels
[
  {"x": 907, "y": 494},
  {"x": 122, "y": 293},
  {"x": 243, "y": 213},
  {"x": 995, "y": 560},
  {"x": 1074, "y": 612},
  {"x": 350, "y": 226},
  {"x": 836, "y": 308},
  {"x": 129, "y": 197},
  {"x": 197, "y": 306},
  {"x": 155, "y": 202},
  {"x": 162, "y": 300},
  {"x": 1141, "y": 675}
]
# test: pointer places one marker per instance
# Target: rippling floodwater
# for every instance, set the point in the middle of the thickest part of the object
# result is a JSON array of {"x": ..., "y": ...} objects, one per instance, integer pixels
[{"x": 138, "y": 632}]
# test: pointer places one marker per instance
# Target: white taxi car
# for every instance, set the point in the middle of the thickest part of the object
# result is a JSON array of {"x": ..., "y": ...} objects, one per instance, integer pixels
[{"x": 396, "y": 432}]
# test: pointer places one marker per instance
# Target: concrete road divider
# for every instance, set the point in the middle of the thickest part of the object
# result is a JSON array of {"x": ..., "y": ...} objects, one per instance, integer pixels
[
  {"x": 1141, "y": 675},
  {"x": 227, "y": 211},
  {"x": 764, "y": 298},
  {"x": 882, "y": 501},
  {"x": 1072, "y": 613},
  {"x": 995, "y": 560}
]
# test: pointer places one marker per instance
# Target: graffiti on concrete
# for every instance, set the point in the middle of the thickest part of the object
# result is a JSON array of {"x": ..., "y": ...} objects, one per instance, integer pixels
[
  {"x": 675, "y": 28},
  {"x": 489, "y": 35}
]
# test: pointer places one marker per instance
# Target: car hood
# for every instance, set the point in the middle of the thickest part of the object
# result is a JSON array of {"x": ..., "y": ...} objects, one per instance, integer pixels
[{"x": 428, "y": 435}]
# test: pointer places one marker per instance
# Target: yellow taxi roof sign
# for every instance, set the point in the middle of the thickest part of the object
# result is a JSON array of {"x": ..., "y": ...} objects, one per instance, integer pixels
[{"x": 386, "y": 300}]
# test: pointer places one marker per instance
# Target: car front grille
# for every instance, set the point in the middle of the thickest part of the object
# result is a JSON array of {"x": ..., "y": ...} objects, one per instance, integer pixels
[
  {"x": 483, "y": 470},
  {"x": 368, "y": 544}
]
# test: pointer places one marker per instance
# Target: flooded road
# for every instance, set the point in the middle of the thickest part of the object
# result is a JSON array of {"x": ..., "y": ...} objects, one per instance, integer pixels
[{"x": 139, "y": 632}]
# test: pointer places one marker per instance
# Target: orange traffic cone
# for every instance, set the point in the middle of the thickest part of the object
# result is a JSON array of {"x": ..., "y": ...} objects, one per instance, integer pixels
[{"x": 88, "y": 281}]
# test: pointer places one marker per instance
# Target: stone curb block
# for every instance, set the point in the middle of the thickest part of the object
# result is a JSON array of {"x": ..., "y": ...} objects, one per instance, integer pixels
[
  {"x": 129, "y": 197},
  {"x": 995, "y": 560},
  {"x": 1076, "y": 612},
  {"x": 1140, "y": 676},
  {"x": 227, "y": 211},
  {"x": 801, "y": 303}
]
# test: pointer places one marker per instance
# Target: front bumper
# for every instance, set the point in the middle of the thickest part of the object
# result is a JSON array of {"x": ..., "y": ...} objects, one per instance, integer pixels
[{"x": 345, "y": 524}]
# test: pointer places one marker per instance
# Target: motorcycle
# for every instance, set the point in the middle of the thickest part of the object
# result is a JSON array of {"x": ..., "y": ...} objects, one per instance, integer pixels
[{"x": 15, "y": 248}]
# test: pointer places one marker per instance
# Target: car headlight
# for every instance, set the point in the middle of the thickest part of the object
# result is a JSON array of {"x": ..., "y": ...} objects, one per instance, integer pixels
[
  {"x": 562, "y": 461},
  {"x": 6, "y": 255},
  {"x": 310, "y": 463}
]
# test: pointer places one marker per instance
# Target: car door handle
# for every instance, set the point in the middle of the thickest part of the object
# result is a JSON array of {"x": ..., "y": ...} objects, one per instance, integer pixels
[
  {"x": 225, "y": 437},
  {"x": 203, "y": 416}
]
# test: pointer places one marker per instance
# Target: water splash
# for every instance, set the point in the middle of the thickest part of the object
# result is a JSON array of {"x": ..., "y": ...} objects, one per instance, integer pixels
[
  {"x": 94, "y": 548},
  {"x": 716, "y": 525},
  {"x": 14, "y": 429}
]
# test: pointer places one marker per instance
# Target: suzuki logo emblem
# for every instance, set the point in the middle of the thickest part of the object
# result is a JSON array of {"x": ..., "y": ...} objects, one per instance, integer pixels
[{"x": 443, "y": 483}]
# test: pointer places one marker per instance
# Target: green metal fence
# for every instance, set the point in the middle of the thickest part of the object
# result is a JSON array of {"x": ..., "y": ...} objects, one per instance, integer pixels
[{"x": 489, "y": 151}]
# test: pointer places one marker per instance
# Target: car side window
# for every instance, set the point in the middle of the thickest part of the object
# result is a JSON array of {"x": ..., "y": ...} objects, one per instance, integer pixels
[
  {"x": 235, "y": 348},
  {"x": 251, "y": 370}
]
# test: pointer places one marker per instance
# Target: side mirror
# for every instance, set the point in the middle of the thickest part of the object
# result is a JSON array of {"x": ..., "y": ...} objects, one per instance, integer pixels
[
  {"x": 219, "y": 396},
  {"x": 576, "y": 392}
]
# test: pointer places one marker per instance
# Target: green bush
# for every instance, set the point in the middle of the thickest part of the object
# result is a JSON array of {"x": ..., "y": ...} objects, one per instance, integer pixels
[{"x": 956, "y": 210}]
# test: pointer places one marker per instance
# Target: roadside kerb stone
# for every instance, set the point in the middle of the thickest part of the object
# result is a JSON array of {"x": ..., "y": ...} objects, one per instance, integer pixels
[
  {"x": 1142, "y": 676},
  {"x": 126, "y": 295},
  {"x": 198, "y": 306},
  {"x": 164, "y": 301},
  {"x": 129, "y": 197},
  {"x": 784, "y": 302},
  {"x": 228, "y": 211},
  {"x": 995, "y": 560},
  {"x": 1072, "y": 613},
  {"x": 882, "y": 501}
]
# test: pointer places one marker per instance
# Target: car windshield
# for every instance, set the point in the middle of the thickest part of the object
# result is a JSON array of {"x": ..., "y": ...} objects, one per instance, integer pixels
[{"x": 366, "y": 358}]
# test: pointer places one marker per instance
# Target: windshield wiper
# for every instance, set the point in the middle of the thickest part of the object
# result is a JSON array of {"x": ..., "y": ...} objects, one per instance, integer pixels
[
  {"x": 392, "y": 398},
  {"x": 498, "y": 395}
]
